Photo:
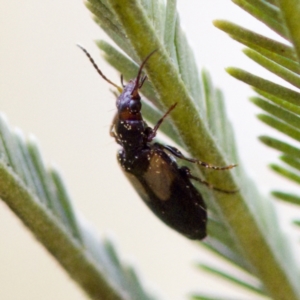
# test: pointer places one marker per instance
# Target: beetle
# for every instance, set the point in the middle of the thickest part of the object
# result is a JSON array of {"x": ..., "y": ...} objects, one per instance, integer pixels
[{"x": 151, "y": 167}]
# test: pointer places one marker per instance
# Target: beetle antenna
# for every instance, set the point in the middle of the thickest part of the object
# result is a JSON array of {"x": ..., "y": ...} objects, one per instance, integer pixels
[
  {"x": 97, "y": 68},
  {"x": 142, "y": 81},
  {"x": 137, "y": 81}
]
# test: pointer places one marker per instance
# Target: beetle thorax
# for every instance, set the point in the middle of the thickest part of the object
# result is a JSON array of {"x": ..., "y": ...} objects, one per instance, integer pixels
[
  {"x": 131, "y": 134},
  {"x": 130, "y": 126}
]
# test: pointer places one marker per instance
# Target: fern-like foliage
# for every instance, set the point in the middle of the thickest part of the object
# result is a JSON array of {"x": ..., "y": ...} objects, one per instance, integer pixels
[
  {"x": 38, "y": 196},
  {"x": 281, "y": 104},
  {"x": 243, "y": 227}
]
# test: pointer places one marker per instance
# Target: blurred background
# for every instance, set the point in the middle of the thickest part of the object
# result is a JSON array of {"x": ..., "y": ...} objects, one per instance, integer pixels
[{"x": 49, "y": 88}]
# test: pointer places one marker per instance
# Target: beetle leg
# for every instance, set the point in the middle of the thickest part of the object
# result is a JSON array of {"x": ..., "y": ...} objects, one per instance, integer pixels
[
  {"x": 178, "y": 154},
  {"x": 188, "y": 173},
  {"x": 112, "y": 132},
  {"x": 152, "y": 134},
  {"x": 122, "y": 81}
]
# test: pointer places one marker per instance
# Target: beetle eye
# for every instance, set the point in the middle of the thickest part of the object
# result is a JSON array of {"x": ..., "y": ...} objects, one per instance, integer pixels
[{"x": 135, "y": 106}]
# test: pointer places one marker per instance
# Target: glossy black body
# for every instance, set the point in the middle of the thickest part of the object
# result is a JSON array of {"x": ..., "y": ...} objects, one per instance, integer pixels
[{"x": 165, "y": 187}]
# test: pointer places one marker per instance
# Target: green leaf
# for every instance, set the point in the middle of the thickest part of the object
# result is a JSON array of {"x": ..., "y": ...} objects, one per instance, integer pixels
[
  {"x": 216, "y": 231},
  {"x": 244, "y": 35},
  {"x": 268, "y": 14},
  {"x": 280, "y": 126},
  {"x": 170, "y": 28},
  {"x": 290, "y": 10},
  {"x": 286, "y": 173},
  {"x": 280, "y": 146},
  {"x": 273, "y": 67},
  {"x": 287, "y": 197},
  {"x": 296, "y": 222},
  {"x": 291, "y": 161},
  {"x": 245, "y": 282},
  {"x": 266, "y": 85},
  {"x": 280, "y": 102},
  {"x": 283, "y": 115},
  {"x": 226, "y": 253}
]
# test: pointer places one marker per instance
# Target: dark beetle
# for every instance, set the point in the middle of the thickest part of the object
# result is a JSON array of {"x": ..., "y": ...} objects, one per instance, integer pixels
[{"x": 165, "y": 187}]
